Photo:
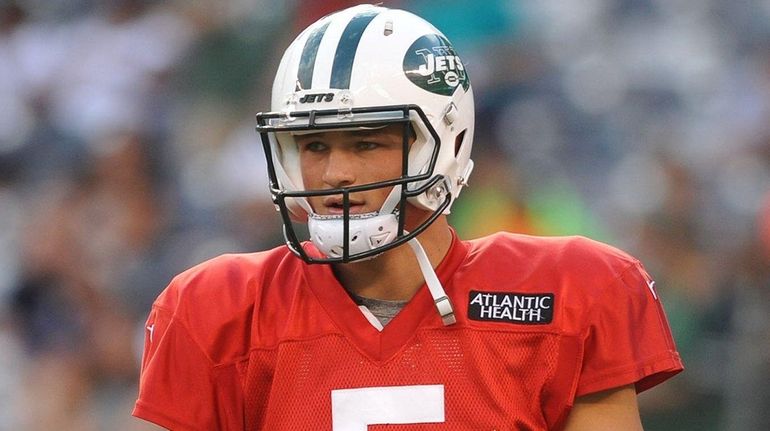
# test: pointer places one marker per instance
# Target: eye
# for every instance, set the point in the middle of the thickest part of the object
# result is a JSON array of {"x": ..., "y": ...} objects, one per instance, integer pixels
[
  {"x": 313, "y": 146},
  {"x": 367, "y": 145}
]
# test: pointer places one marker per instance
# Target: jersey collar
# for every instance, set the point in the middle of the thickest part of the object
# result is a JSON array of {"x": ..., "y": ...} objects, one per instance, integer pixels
[{"x": 420, "y": 312}]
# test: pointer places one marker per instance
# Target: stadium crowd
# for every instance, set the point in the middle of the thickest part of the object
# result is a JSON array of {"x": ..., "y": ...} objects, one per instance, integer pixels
[{"x": 128, "y": 153}]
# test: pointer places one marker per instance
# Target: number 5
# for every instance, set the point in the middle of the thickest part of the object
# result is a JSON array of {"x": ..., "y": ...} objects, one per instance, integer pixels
[{"x": 354, "y": 409}]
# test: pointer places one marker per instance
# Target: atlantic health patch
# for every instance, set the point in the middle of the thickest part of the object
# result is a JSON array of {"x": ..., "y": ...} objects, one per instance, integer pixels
[{"x": 510, "y": 307}]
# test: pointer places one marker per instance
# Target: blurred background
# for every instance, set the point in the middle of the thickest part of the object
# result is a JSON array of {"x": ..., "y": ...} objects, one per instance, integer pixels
[{"x": 128, "y": 153}]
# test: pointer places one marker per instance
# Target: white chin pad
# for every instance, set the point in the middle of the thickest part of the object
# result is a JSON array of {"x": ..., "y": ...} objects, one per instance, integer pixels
[{"x": 367, "y": 232}]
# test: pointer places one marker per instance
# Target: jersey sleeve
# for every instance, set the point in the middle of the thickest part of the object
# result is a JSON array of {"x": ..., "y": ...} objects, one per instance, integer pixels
[
  {"x": 628, "y": 340},
  {"x": 179, "y": 387}
]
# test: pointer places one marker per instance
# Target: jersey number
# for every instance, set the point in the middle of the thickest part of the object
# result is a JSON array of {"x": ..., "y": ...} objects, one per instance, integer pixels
[{"x": 355, "y": 409}]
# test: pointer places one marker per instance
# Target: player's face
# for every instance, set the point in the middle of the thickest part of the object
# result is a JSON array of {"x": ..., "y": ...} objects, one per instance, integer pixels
[{"x": 337, "y": 159}]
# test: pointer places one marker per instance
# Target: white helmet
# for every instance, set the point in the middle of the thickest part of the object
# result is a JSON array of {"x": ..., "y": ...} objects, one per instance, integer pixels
[{"x": 363, "y": 67}]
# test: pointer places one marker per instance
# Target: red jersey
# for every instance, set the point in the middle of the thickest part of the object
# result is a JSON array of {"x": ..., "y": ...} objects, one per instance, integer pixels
[{"x": 265, "y": 341}]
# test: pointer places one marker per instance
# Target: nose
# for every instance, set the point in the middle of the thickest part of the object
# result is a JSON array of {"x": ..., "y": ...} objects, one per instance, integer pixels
[{"x": 339, "y": 169}]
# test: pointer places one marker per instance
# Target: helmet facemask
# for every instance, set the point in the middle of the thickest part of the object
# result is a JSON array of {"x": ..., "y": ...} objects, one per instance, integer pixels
[{"x": 348, "y": 237}]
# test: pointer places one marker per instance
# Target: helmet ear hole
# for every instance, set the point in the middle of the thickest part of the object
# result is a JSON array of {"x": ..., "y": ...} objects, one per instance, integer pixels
[{"x": 459, "y": 141}]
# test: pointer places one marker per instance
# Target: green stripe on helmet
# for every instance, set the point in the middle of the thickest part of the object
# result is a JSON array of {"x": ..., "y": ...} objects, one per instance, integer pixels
[
  {"x": 309, "y": 53},
  {"x": 342, "y": 68}
]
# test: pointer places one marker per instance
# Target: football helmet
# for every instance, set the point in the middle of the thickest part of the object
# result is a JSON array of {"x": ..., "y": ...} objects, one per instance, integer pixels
[{"x": 361, "y": 68}]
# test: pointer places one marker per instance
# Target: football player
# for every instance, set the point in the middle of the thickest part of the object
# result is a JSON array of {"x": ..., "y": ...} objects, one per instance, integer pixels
[{"x": 384, "y": 318}]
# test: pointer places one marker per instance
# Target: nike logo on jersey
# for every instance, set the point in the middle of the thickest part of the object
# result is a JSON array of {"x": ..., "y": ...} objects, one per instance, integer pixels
[
  {"x": 651, "y": 286},
  {"x": 510, "y": 307},
  {"x": 150, "y": 330}
]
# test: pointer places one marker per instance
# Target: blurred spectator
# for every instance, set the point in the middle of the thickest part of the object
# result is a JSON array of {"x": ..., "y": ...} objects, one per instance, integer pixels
[{"x": 84, "y": 283}]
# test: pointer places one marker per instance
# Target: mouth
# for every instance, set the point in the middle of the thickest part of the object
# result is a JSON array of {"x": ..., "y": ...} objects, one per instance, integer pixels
[{"x": 333, "y": 205}]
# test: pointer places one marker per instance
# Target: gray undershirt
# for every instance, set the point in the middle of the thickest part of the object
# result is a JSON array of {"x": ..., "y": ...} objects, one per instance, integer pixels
[{"x": 382, "y": 309}]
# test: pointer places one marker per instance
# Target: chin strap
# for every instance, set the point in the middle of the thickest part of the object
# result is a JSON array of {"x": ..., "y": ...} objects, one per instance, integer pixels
[{"x": 440, "y": 298}]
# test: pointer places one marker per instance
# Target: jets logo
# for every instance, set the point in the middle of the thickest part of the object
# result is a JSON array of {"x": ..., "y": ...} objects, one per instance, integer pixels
[
  {"x": 319, "y": 97},
  {"x": 432, "y": 64}
]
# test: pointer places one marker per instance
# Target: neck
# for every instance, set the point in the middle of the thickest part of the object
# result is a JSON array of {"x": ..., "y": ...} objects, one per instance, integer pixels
[{"x": 395, "y": 275}]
